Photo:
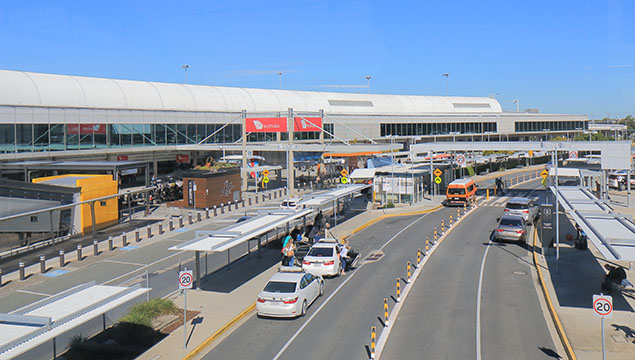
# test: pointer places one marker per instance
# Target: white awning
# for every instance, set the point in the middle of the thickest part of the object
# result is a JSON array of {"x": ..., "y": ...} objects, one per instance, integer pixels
[
  {"x": 565, "y": 172},
  {"x": 363, "y": 174}
]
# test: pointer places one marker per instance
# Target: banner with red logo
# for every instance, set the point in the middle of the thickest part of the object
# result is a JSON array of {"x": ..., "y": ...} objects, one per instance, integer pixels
[
  {"x": 182, "y": 159},
  {"x": 266, "y": 124},
  {"x": 85, "y": 129},
  {"x": 122, "y": 157},
  {"x": 302, "y": 124}
]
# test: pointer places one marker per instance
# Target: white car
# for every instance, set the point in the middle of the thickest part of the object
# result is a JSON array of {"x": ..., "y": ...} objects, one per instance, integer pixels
[
  {"x": 290, "y": 203},
  {"x": 323, "y": 258},
  {"x": 289, "y": 293}
]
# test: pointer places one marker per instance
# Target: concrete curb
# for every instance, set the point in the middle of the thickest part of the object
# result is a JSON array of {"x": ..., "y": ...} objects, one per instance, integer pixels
[{"x": 554, "y": 315}]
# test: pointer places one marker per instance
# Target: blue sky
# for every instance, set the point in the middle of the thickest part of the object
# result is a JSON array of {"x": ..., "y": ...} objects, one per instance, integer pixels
[{"x": 559, "y": 56}]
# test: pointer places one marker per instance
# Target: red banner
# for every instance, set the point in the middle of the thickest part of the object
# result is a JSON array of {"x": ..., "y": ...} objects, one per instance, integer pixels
[
  {"x": 307, "y": 124},
  {"x": 182, "y": 159},
  {"x": 266, "y": 124},
  {"x": 85, "y": 129},
  {"x": 122, "y": 157}
]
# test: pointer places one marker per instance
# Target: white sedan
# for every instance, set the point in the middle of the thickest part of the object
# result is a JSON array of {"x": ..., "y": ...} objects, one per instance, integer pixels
[
  {"x": 289, "y": 293},
  {"x": 323, "y": 259}
]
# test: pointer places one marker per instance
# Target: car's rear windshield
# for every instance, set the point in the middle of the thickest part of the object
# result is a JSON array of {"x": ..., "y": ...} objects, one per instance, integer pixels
[
  {"x": 280, "y": 287},
  {"x": 320, "y": 251},
  {"x": 511, "y": 222},
  {"x": 456, "y": 191},
  {"x": 516, "y": 206}
]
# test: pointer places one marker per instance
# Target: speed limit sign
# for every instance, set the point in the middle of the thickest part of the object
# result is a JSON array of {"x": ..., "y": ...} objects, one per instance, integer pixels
[
  {"x": 186, "y": 278},
  {"x": 603, "y": 305}
]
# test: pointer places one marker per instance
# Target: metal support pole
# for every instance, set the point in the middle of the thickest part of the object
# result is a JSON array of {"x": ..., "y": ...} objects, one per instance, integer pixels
[
  {"x": 335, "y": 212},
  {"x": 290, "y": 166},
  {"x": 557, "y": 202},
  {"x": 92, "y": 217},
  {"x": 61, "y": 255},
  {"x": 185, "y": 318},
  {"x": 603, "y": 342},
  {"x": 42, "y": 264},
  {"x": 228, "y": 258},
  {"x": 197, "y": 269}
]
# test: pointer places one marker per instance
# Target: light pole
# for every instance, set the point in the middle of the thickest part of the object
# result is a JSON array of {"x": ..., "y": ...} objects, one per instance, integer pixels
[
  {"x": 546, "y": 131},
  {"x": 447, "y": 75},
  {"x": 368, "y": 77},
  {"x": 515, "y": 101},
  {"x": 185, "y": 67},
  {"x": 280, "y": 78}
]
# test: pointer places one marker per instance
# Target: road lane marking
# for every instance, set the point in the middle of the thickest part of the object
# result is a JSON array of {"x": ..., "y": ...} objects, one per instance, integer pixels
[
  {"x": 124, "y": 262},
  {"x": 33, "y": 293},
  {"x": 295, "y": 335},
  {"x": 478, "y": 302}
]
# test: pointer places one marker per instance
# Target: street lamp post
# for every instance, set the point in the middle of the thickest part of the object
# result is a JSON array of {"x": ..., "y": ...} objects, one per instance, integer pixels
[
  {"x": 368, "y": 83},
  {"x": 185, "y": 67},
  {"x": 280, "y": 78},
  {"x": 447, "y": 75},
  {"x": 515, "y": 101}
]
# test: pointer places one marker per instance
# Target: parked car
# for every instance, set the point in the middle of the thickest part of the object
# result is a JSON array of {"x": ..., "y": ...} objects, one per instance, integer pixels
[
  {"x": 511, "y": 228},
  {"x": 524, "y": 207},
  {"x": 290, "y": 203},
  {"x": 323, "y": 258},
  {"x": 617, "y": 180},
  {"x": 289, "y": 293}
]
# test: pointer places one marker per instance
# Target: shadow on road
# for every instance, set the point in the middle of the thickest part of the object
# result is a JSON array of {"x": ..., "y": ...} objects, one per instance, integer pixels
[{"x": 241, "y": 271}]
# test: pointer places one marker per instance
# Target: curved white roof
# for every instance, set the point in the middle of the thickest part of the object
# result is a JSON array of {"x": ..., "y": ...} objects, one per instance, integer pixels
[{"x": 18, "y": 88}]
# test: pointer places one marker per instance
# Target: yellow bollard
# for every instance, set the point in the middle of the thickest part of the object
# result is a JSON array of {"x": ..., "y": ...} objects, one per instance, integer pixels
[
  {"x": 450, "y": 220},
  {"x": 398, "y": 290},
  {"x": 428, "y": 242},
  {"x": 373, "y": 340},
  {"x": 385, "y": 311},
  {"x": 409, "y": 274},
  {"x": 442, "y": 226},
  {"x": 494, "y": 190},
  {"x": 487, "y": 192},
  {"x": 458, "y": 213},
  {"x": 419, "y": 254},
  {"x": 464, "y": 208},
  {"x": 435, "y": 239}
]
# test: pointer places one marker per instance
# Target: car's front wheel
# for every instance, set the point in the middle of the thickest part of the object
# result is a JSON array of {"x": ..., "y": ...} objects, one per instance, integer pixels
[{"x": 303, "y": 308}]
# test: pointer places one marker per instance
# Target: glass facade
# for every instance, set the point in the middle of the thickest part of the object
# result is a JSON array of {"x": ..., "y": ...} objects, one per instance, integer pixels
[
  {"x": 412, "y": 129},
  {"x": 542, "y": 126},
  {"x": 54, "y": 137}
]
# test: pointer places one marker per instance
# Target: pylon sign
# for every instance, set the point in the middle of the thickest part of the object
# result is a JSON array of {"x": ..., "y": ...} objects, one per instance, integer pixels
[
  {"x": 544, "y": 174},
  {"x": 437, "y": 172}
]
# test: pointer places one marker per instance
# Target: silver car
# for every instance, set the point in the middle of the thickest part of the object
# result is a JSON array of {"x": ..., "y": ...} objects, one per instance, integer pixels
[
  {"x": 289, "y": 293},
  {"x": 524, "y": 207},
  {"x": 511, "y": 228}
]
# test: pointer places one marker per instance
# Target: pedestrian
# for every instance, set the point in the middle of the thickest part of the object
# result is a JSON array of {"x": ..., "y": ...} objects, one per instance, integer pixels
[
  {"x": 290, "y": 253},
  {"x": 344, "y": 256},
  {"x": 285, "y": 247}
]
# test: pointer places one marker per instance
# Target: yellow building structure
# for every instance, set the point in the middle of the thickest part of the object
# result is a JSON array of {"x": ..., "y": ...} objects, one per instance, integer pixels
[{"x": 90, "y": 187}]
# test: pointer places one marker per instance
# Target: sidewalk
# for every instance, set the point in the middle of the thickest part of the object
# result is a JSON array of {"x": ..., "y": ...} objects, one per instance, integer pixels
[
  {"x": 221, "y": 310},
  {"x": 571, "y": 284}
]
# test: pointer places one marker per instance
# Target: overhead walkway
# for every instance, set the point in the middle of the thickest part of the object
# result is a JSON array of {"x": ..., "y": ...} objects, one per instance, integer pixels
[
  {"x": 42, "y": 330},
  {"x": 612, "y": 234}
]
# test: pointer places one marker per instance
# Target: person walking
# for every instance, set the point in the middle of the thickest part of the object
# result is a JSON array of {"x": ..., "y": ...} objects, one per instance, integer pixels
[{"x": 285, "y": 247}]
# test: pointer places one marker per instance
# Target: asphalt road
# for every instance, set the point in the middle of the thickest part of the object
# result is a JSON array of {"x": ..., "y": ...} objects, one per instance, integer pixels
[
  {"x": 439, "y": 318},
  {"x": 337, "y": 324}
]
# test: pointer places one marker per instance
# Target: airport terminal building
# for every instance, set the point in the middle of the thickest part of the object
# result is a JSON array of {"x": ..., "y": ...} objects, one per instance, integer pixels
[{"x": 46, "y": 115}]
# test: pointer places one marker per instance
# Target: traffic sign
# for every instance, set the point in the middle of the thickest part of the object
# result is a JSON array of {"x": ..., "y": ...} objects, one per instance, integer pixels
[
  {"x": 603, "y": 305},
  {"x": 573, "y": 154},
  {"x": 186, "y": 278},
  {"x": 460, "y": 159},
  {"x": 437, "y": 180},
  {"x": 265, "y": 172},
  {"x": 344, "y": 180},
  {"x": 437, "y": 172},
  {"x": 344, "y": 173},
  {"x": 531, "y": 153},
  {"x": 544, "y": 173},
  {"x": 265, "y": 180}
]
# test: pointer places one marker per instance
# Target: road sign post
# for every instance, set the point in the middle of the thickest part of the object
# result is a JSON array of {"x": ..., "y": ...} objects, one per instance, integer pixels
[
  {"x": 186, "y": 278},
  {"x": 603, "y": 307}
]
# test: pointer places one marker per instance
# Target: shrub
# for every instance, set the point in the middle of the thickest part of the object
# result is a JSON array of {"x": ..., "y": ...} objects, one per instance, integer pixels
[
  {"x": 143, "y": 313},
  {"x": 390, "y": 205}
]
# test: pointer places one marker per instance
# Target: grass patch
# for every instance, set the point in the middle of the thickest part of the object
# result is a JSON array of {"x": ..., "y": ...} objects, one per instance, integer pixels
[{"x": 143, "y": 313}]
